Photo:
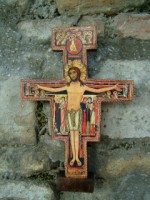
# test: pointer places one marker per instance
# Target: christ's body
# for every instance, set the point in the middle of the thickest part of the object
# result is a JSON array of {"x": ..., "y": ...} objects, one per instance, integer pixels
[{"x": 75, "y": 91}]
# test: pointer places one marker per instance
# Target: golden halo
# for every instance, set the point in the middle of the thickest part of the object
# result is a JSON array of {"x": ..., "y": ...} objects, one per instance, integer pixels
[{"x": 79, "y": 65}]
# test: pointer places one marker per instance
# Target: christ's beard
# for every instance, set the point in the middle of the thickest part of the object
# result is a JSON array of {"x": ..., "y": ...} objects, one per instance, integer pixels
[{"x": 74, "y": 80}]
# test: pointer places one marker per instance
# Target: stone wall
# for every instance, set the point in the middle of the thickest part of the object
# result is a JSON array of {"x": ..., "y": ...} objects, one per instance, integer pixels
[{"x": 29, "y": 159}]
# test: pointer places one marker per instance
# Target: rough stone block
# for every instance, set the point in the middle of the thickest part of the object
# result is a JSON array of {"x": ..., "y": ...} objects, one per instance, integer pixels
[
  {"x": 133, "y": 25},
  {"x": 17, "y": 117},
  {"x": 16, "y": 162},
  {"x": 135, "y": 186},
  {"x": 54, "y": 148},
  {"x": 43, "y": 9},
  {"x": 117, "y": 158},
  {"x": 25, "y": 190},
  {"x": 121, "y": 166},
  {"x": 19, "y": 6},
  {"x": 78, "y": 7},
  {"x": 130, "y": 119}
]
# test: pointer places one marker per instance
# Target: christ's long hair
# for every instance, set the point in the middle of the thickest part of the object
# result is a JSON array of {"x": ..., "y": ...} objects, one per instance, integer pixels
[{"x": 78, "y": 75}]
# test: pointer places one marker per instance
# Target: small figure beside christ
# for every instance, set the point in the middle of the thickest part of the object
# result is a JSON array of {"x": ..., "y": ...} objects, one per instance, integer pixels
[
  {"x": 59, "y": 121},
  {"x": 77, "y": 114},
  {"x": 88, "y": 115}
]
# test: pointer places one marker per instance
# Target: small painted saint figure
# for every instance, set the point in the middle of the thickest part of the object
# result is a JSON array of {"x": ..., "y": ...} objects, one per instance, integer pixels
[{"x": 84, "y": 115}]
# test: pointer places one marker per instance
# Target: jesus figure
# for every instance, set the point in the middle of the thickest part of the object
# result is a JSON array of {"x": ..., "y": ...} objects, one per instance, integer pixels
[{"x": 75, "y": 91}]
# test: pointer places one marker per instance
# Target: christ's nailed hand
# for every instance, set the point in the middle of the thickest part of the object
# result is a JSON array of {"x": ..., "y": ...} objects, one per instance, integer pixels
[{"x": 118, "y": 88}]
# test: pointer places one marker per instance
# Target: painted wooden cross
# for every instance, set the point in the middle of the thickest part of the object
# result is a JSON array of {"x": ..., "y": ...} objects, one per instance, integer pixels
[{"x": 75, "y": 102}]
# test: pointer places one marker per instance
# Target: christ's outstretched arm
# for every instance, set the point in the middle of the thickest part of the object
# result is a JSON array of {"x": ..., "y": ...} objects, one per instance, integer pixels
[
  {"x": 52, "y": 89},
  {"x": 115, "y": 87}
]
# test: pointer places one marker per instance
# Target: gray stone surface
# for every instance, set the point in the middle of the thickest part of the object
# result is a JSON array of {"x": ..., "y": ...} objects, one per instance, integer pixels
[
  {"x": 134, "y": 186},
  {"x": 133, "y": 25},
  {"x": 54, "y": 148},
  {"x": 41, "y": 30},
  {"x": 78, "y": 7},
  {"x": 116, "y": 158},
  {"x": 25, "y": 190},
  {"x": 43, "y": 9},
  {"x": 20, "y": 3},
  {"x": 23, "y": 161},
  {"x": 130, "y": 119},
  {"x": 27, "y": 161},
  {"x": 38, "y": 9},
  {"x": 17, "y": 117}
]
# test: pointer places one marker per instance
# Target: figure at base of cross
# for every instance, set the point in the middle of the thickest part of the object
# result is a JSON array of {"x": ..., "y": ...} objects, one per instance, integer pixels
[{"x": 75, "y": 89}]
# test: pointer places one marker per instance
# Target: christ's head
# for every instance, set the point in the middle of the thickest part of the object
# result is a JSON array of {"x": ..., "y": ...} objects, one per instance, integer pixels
[{"x": 74, "y": 74}]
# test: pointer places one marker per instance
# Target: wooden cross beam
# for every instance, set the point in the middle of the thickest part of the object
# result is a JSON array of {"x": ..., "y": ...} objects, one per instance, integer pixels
[{"x": 75, "y": 101}]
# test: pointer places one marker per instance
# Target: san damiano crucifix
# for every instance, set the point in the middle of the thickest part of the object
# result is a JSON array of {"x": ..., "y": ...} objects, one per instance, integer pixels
[{"x": 75, "y": 102}]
